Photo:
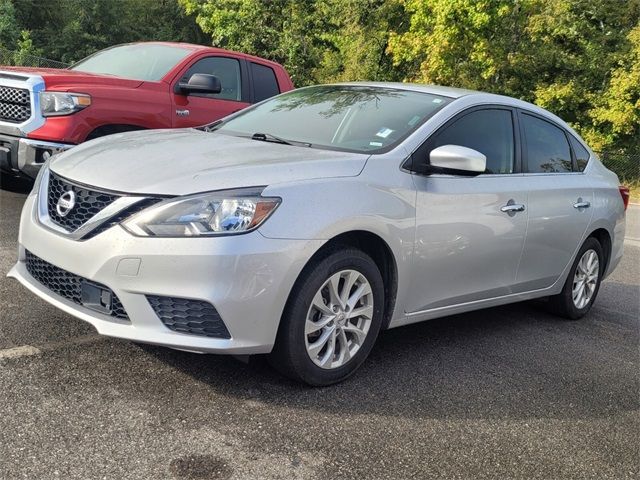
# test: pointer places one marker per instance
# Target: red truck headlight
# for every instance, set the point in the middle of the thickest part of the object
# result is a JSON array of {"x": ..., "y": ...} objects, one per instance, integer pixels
[{"x": 62, "y": 103}]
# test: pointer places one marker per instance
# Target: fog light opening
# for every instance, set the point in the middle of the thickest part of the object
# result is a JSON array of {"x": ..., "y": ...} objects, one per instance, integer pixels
[{"x": 42, "y": 155}]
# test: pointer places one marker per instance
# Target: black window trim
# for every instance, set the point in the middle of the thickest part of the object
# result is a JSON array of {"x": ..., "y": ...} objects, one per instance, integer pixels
[
  {"x": 567, "y": 135},
  {"x": 245, "y": 88},
  {"x": 421, "y": 150},
  {"x": 575, "y": 138}
]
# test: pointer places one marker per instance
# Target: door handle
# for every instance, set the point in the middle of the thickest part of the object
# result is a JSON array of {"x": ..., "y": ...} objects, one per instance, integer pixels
[
  {"x": 513, "y": 207},
  {"x": 581, "y": 204}
]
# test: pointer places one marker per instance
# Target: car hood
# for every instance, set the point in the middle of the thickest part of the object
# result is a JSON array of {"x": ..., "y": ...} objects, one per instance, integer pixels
[
  {"x": 68, "y": 80},
  {"x": 179, "y": 162}
]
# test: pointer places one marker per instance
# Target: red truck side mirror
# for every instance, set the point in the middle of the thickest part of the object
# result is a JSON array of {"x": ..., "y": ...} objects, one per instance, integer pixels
[{"x": 201, "y": 83}]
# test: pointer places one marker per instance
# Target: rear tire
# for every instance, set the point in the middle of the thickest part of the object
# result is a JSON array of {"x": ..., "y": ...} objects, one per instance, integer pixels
[
  {"x": 331, "y": 320},
  {"x": 583, "y": 282}
]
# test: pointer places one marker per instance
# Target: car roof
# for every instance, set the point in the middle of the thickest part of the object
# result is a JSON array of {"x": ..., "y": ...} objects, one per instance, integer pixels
[
  {"x": 450, "y": 92},
  {"x": 206, "y": 48},
  {"x": 456, "y": 93}
]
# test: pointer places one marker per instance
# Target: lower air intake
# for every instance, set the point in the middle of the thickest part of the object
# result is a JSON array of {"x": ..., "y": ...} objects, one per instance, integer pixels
[
  {"x": 69, "y": 285},
  {"x": 184, "y": 315}
]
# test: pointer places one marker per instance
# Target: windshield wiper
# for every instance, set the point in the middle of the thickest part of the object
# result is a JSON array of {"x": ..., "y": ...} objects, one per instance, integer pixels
[{"x": 267, "y": 137}]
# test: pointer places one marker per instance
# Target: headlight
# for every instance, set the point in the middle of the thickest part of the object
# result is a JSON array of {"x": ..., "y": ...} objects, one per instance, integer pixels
[
  {"x": 62, "y": 103},
  {"x": 217, "y": 213}
]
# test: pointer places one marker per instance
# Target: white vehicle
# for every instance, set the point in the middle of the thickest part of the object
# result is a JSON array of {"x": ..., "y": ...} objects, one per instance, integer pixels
[{"x": 304, "y": 225}]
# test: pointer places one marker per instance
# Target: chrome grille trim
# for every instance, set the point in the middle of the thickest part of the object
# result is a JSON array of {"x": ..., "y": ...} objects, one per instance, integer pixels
[
  {"x": 15, "y": 104},
  {"x": 33, "y": 84},
  {"x": 43, "y": 217}
]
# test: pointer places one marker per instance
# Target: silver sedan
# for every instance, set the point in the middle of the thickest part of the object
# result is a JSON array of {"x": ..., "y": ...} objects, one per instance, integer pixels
[{"x": 304, "y": 225}]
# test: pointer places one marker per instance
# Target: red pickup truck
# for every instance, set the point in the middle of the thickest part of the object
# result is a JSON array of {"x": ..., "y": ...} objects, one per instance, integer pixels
[{"x": 126, "y": 87}]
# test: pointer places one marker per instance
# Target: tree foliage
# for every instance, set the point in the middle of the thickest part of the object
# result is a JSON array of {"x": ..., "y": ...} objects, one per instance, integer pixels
[
  {"x": 9, "y": 31},
  {"x": 616, "y": 114},
  {"x": 578, "y": 58},
  {"x": 68, "y": 30},
  {"x": 289, "y": 32},
  {"x": 564, "y": 55},
  {"x": 316, "y": 40}
]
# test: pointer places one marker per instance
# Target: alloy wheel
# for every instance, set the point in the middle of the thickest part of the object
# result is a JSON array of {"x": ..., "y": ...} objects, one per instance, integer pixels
[
  {"x": 585, "y": 279},
  {"x": 339, "y": 319}
]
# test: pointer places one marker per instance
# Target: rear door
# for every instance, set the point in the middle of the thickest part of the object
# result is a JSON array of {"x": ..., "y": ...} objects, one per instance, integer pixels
[
  {"x": 560, "y": 199},
  {"x": 263, "y": 81},
  {"x": 199, "y": 109},
  {"x": 467, "y": 246}
]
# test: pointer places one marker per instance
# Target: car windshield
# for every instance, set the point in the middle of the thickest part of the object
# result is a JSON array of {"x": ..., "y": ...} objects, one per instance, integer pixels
[
  {"x": 339, "y": 117},
  {"x": 140, "y": 61}
]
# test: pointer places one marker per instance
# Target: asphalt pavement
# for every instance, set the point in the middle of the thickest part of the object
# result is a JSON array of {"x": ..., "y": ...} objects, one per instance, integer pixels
[{"x": 507, "y": 393}]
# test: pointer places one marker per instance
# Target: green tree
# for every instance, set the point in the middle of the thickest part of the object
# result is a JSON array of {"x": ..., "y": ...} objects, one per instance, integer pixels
[
  {"x": 576, "y": 47},
  {"x": 463, "y": 43},
  {"x": 357, "y": 40},
  {"x": 616, "y": 115},
  {"x": 9, "y": 30},
  {"x": 69, "y": 30},
  {"x": 578, "y": 58},
  {"x": 317, "y": 41},
  {"x": 558, "y": 54},
  {"x": 25, "y": 50},
  {"x": 286, "y": 31}
]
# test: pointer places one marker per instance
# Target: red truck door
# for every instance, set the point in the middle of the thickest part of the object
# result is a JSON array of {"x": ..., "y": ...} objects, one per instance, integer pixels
[{"x": 199, "y": 109}]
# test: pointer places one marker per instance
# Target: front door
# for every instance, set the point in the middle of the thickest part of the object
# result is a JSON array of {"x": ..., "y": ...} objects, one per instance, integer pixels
[
  {"x": 199, "y": 109},
  {"x": 468, "y": 245}
]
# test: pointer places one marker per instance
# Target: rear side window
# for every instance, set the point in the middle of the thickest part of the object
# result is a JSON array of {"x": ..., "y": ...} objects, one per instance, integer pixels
[
  {"x": 546, "y": 146},
  {"x": 226, "y": 69},
  {"x": 265, "y": 84},
  {"x": 489, "y": 131},
  {"x": 581, "y": 153}
]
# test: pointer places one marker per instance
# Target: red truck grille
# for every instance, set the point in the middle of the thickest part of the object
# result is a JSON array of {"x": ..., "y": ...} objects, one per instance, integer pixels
[{"x": 15, "y": 104}]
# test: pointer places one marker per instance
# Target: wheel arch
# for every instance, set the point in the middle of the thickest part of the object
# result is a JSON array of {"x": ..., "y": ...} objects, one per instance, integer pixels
[
  {"x": 111, "y": 128},
  {"x": 604, "y": 238},
  {"x": 379, "y": 251}
]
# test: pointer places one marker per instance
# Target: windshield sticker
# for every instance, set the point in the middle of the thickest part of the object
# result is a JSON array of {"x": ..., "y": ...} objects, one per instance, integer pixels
[
  {"x": 414, "y": 120},
  {"x": 384, "y": 132},
  {"x": 437, "y": 100},
  {"x": 375, "y": 144}
]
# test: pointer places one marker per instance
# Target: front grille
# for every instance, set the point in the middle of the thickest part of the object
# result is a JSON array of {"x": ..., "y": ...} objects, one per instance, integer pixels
[
  {"x": 87, "y": 202},
  {"x": 15, "y": 104},
  {"x": 189, "y": 316},
  {"x": 67, "y": 284}
]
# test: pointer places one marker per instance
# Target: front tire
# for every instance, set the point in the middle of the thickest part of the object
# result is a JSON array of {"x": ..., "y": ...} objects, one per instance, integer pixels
[
  {"x": 583, "y": 282},
  {"x": 331, "y": 320}
]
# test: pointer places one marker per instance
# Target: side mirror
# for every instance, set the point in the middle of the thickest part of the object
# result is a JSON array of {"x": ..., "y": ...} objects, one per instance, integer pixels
[
  {"x": 457, "y": 160},
  {"x": 201, "y": 83}
]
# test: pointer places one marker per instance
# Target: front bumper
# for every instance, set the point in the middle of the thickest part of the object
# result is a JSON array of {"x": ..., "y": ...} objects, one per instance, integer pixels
[
  {"x": 23, "y": 157},
  {"x": 247, "y": 278}
]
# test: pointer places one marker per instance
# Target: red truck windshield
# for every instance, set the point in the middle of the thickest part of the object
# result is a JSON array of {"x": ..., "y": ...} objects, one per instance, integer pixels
[{"x": 136, "y": 61}]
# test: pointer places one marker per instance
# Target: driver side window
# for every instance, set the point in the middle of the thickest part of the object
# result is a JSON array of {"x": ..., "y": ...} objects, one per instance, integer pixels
[
  {"x": 226, "y": 69},
  {"x": 489, "y": 131}
]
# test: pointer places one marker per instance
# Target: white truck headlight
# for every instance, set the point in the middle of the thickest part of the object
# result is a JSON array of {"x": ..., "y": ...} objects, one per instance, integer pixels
[
  {"x": 216, "y": 213},
  {"x": 62, "y": 103}
]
